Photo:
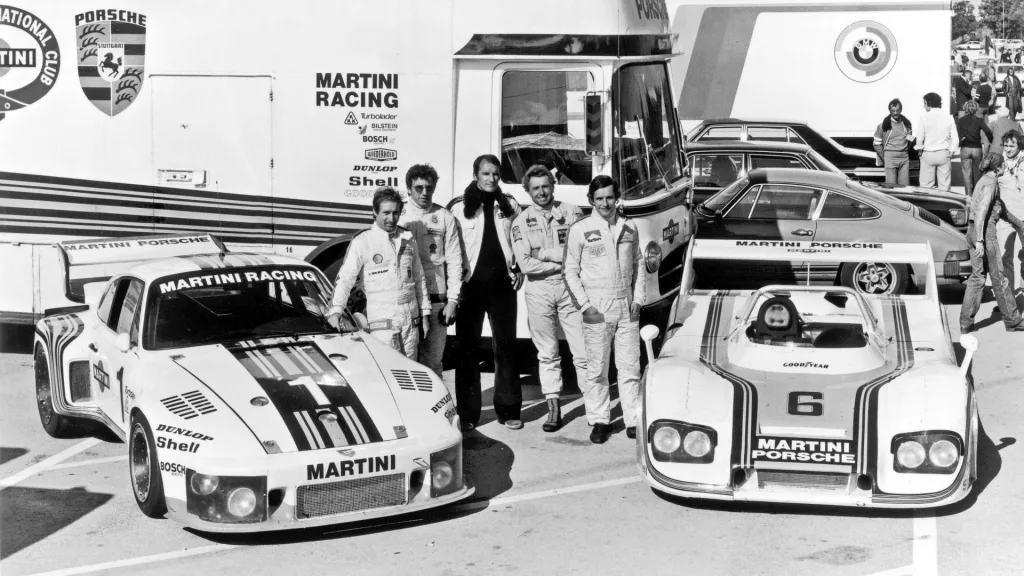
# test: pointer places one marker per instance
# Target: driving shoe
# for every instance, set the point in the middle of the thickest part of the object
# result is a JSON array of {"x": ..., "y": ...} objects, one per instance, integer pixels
[{"x": 554, "y": 416}]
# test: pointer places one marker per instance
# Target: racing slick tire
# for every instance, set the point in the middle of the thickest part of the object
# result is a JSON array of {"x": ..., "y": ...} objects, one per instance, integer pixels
[
  {"x": 875, "y": 277},
  {"x": 144, "y": 468},
  {"x": 56, "y": 425}
]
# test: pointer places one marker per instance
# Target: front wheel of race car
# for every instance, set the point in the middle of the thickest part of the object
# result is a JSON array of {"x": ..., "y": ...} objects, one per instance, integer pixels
[
  {"x": 55, "y": 425},
  {"x": 875, "y": 277},
  {"x": 144, "y": 468}
]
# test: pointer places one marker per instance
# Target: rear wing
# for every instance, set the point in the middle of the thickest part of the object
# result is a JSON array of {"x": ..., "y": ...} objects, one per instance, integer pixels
[
  {"x": 90, "y": 261},
  {"x": 918, "y": 255}
]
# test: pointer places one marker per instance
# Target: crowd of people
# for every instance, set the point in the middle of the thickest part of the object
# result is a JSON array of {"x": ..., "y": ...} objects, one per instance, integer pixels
[
  {"x": 424, "y": 267},
  {"x": 992, "y": 164}
]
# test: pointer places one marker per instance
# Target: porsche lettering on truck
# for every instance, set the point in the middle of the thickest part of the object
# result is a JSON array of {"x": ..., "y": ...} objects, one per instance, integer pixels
[
  {"x": 238, "y": 385},
  {"x": 794, "y": 393}
]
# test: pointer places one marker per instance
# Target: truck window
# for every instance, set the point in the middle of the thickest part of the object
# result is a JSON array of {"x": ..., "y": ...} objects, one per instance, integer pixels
[
  {"x": 542, "y": 122},
  {"x": 645, "y": 132}
]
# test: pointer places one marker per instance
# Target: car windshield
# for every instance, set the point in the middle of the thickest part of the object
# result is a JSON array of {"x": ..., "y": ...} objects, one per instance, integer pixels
[
  {"x": 645, "y": 130},
  {"x": 722, "y": 199},
  {"x": 692, "y": 134},
  {"x": 234, "y": 304},
  {"x": 875, "y": 191}
]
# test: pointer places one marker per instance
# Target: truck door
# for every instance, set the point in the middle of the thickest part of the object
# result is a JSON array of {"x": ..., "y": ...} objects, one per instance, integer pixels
[{"x": 212, "y": 138}]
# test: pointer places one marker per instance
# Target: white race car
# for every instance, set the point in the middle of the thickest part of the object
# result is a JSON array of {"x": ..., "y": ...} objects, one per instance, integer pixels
[
  {"x": 243, "y": 411},
  {"x": 807, "y": 394}
]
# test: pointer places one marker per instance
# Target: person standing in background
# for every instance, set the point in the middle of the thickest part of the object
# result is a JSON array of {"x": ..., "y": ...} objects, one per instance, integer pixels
[
  {"x": 937, "y": 140},
  {"x": 605, "y": 281},
  {"x": 538, "y": 238},
  {"x": 1012, "y": 88},
  {"x": 892, "y": 144},
  {"x": 963, "y": 89},
  {"x": 984, "y": 93},
  {"x": 485, "y": 214},
  {"x": 970, "y": 128},
  {"x": 437, "y": 237},
  {"x": 1010, "y": 231}
]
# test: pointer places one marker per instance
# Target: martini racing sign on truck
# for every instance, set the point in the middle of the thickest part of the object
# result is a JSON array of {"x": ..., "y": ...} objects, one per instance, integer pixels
[{"x": 274, "y": 135}]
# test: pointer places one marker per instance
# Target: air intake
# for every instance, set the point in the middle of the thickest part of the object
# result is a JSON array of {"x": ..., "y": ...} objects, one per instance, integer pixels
[{"x": 413, "y": 380}]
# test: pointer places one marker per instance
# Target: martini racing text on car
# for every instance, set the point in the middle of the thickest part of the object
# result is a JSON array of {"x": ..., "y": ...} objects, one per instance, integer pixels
[
  {"x": 807, "y": 394},
  {"x": 242, "y": 409}
]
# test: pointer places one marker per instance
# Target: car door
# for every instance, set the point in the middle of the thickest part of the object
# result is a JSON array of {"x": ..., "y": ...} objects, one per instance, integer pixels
[
  {"x": 118, "y": 312},
  {"x": 776, "y": 212},
  {"x": 711, "y": 172}
]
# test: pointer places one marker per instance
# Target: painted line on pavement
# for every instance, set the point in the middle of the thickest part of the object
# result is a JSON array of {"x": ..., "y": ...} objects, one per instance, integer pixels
[
  {"x": 49, "y": 462},
  {"x": 91, "y": 462},
  {"x": 901, "y": 571},
  {"x": 222, "y": 547},
  {"x": 926, "y": 550}
]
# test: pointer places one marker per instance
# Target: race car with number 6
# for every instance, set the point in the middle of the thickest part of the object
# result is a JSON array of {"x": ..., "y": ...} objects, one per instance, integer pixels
[
  {"x": 807, "y": 394},
  {"x": 241, "y": 408}
]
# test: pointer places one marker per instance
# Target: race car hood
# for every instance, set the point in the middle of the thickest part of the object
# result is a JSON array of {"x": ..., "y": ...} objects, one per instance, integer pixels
[
  {"x": 304, "y": 393},
  {"x": 782, "y": 394}
]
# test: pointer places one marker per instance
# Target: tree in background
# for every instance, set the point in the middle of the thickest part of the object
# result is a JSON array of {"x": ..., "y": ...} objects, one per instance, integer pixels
[
  {"x": 1004, "y": 17},
  {"x": 964, "y": 21}
]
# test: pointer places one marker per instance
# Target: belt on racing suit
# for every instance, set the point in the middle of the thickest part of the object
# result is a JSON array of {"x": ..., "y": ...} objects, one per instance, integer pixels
[
  {"x": 606, "y": 293},
  {"x": 400, "y": 296},
  {"x": 549, "y": 277}
]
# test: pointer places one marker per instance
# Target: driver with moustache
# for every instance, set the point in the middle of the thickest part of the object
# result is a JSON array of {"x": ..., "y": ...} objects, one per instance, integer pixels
[
  {"x": 605, "y": 281},
  {"x": 387, "y": 259}
]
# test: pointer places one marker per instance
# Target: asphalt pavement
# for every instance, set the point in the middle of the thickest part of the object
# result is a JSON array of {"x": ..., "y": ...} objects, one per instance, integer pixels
[{"x": 544, "y": 504}]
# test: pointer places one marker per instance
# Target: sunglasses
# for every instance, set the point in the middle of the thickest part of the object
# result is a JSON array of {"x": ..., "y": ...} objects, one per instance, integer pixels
[{"x": 422, "y": 188}]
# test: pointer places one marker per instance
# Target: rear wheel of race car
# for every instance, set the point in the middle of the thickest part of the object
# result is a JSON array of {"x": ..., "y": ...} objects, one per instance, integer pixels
[
  {"x": 144, "y": 468},
  {"x": 875, "y": 277},
  {"x": 55, "y": 425}
]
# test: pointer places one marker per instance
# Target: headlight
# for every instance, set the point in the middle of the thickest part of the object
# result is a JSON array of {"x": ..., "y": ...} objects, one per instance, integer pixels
[
  {"x": 203, "y": 484},
  {"x": 652, "y": 257},
  {"x": 928, "y": 452},
  {"x": 697, "y": 443},
  {"x": 666, "y": 439},
  {"x": 446, "y": 471},
  {"x": 241, "y": 502},
  {"x": 674, "y": 441},
  {"x": 943, "y": 454},
  {"x": 958, "y": 216},
  {"x": 910, "y": 454},
  {"x": 958, "y": 255}
]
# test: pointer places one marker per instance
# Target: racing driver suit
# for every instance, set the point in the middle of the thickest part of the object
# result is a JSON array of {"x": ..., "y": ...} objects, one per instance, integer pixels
[
  {"x": 396, "y": 292},
  {"x": 437, "y": 236},
  {"x": 602, "y": 269},
  {"x": 538, "y": 240}
]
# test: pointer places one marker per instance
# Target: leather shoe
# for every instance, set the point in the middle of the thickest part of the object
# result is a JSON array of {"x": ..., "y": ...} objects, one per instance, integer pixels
[
  {"x": 600, "y": 433},
  {"x": 631, "y": 432},
  {"x": 966, "y": 329},
  {"x": 467, "y": 426},
  {"x": 554, "y": 416},
  {"x": 513, "y": 424}
]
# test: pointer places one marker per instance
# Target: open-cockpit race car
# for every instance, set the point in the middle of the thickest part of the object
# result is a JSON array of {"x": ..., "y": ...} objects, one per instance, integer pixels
[
  {"x": 807, "y": 394},
  {"x": 243, "y": 410}
]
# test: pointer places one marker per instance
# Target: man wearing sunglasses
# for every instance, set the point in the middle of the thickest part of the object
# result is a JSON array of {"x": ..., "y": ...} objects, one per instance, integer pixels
[{"x": 434, "y": 229}]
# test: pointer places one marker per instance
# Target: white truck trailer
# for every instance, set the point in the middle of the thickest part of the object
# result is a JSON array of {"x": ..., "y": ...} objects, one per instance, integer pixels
[
  {"x": 271, "y": 124},
  {"x": 834, "y": 65}
]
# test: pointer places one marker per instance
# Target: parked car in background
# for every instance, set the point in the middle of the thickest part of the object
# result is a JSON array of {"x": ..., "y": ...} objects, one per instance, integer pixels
[
  {"x": 716, "y": 164},
  {"x": 852, "y": 161},
  {"x": 803, "y": 205}
]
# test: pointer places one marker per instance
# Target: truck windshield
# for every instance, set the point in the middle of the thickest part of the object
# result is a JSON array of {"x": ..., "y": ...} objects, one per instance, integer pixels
[{"x": 645, "y": 131}]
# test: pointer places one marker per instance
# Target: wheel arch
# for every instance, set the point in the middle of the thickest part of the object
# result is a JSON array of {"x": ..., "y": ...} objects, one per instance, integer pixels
[{"x": 329, "y": 252}]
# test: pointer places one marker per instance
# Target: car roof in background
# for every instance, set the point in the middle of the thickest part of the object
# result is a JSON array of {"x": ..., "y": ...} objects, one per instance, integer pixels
[
  {"x": 798, "y": 176},
  {"x": 773, "y": 121},
  {"x": 712, "y": 145}
]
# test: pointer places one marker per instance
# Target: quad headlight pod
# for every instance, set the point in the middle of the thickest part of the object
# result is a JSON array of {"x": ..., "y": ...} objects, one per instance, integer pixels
[
  {"x": 674, "y": 441},
  {"x": 446, "y": 471},
  {"x": 927, "y": 452},
  {"x": 226, "y": 499}
]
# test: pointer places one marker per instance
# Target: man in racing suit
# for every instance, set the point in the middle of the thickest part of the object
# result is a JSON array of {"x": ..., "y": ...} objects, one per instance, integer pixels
[
  {"x": 538, "y": 241},
  {"x": 603, "y": 275},
  {"x": 387, "y": 259},
  {"x": 435, "y": 232}
]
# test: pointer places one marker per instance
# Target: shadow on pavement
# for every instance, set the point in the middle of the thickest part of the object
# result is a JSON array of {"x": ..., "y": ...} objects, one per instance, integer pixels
[
  {"x": 487, "y": 465},
  {"x": 30, "y": 515},
  {"x": 8, "y": 454}
]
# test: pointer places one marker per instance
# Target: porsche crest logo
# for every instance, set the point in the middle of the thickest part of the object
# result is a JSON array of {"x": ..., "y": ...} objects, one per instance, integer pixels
[
  {"x": 866, "y": 51},
  {"x": 111, "y": 57}
]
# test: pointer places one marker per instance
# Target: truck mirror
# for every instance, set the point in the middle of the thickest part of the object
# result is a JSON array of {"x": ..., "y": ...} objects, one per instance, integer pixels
[{"x": 594, "y": 129}]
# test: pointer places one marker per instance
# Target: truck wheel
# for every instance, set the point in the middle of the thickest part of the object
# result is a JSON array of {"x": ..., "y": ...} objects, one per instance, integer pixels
[
  {"x": 55, "y": 425},
  {"x": 144, "y": 468},
  {"x": 875, "y": 277}
]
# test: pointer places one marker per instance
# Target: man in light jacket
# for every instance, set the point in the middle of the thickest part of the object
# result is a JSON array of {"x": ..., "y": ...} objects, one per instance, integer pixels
[{"x": 938, "y": 140}]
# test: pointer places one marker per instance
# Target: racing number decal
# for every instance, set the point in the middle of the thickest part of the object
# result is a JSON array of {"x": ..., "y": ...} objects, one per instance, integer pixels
[{"x": 806, "y": 403}]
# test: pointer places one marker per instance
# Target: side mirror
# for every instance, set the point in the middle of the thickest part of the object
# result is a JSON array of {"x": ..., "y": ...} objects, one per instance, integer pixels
[
  {"x": 648, "y": 334},
  {"x": 718, "y": 216},
  {"x": 361, "y": 321},
  {"x": 123, "y": 342},
  {"x": 593, "y": 128},
  {"x": 970, "y": 344}
]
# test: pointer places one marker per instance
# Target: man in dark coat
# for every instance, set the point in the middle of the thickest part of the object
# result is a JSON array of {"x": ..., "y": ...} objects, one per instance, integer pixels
[{"x": 962, "y": 89}]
